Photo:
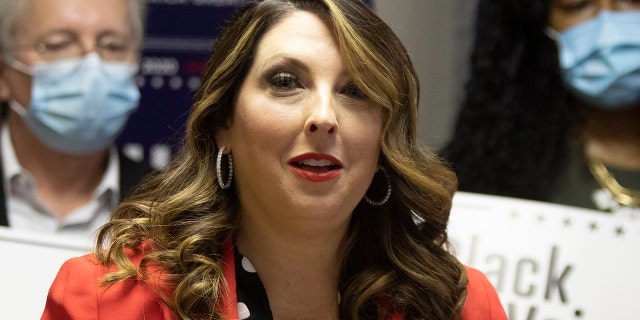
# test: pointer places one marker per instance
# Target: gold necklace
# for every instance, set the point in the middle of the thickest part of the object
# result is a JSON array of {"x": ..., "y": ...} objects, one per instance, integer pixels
[{"x": 606, "y": 180}]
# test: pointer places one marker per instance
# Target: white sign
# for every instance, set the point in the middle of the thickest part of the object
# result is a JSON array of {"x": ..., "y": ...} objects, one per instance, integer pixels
[
  {"x": 29, "y": 264},
  {"x": 550, "y": 262}
]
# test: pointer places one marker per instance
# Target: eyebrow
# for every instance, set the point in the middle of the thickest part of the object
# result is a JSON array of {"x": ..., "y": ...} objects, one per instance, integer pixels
[
  {"x": 280, "y": 60},
  {"x": 73, "y": 34},
  {"x": 110, "y": 33},
  {"x": 57, "y": 32}
]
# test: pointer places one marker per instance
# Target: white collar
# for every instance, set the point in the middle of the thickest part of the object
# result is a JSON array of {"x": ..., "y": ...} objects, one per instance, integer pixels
[{"x": 11, "y": 167}]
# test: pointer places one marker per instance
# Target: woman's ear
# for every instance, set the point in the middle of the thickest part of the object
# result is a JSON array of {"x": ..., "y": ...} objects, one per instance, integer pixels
[{"x": 222, "y": 138}]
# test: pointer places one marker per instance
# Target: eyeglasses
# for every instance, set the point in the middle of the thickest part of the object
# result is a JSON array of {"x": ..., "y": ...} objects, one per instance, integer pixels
[{"x": 62, "y": 46}]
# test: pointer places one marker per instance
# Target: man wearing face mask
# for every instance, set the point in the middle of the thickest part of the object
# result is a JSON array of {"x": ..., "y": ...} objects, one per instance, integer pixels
[
  {"x": 552, "y": 107},
  {"x": 67, "y": 86}
]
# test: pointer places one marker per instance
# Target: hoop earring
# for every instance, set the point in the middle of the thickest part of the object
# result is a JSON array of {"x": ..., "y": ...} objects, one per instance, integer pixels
[
  {"x": 386, "y": 196},
  {"x": 221, "y": 183}
]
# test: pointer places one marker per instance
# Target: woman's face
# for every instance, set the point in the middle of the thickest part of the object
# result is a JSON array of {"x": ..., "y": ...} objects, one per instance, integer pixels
[
  {"x": 304, "y": 138},
  {"x": 568, "y": 13}
]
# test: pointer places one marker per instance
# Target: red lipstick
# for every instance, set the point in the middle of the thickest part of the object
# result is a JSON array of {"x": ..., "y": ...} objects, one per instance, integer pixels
[{"x": 316, "y": 167}]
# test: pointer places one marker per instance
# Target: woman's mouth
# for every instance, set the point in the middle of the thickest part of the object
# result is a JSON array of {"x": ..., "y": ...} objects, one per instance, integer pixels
[{"x": 316, "y": 167}]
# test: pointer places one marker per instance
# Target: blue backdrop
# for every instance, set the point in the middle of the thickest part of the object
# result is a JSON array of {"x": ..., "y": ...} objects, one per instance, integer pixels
[{"x": 179, "y": 36}]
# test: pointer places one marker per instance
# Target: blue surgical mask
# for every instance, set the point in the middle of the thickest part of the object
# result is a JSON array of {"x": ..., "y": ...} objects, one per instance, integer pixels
[
  {"x": 78, "y": 106},
  {"x": 600, "y": 59}
]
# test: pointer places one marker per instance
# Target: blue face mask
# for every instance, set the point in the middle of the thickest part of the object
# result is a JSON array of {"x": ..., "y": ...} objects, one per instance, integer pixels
[
  {"x": 600, "y": 59},
  {"x": 79, "y": 106}
]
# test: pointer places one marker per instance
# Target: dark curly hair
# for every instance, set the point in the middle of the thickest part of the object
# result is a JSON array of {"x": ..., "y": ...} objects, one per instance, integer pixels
[{"x": 511, "y": 135}]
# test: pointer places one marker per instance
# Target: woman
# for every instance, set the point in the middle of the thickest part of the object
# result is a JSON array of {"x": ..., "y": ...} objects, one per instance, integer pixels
[
  {"x": 552, "y": 107},
  {"x": 296, "y": 194}
]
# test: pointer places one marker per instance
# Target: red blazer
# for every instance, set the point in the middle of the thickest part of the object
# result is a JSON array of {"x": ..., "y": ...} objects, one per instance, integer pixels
[{"x": 76, "y": 293}]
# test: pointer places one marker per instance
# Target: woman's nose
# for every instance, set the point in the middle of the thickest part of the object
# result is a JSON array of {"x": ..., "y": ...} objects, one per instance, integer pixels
[{"x": 322, "y": 117}]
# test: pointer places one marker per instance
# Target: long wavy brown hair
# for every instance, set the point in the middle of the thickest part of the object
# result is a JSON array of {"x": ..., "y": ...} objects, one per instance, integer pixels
[{"x": 395, "y": 258}]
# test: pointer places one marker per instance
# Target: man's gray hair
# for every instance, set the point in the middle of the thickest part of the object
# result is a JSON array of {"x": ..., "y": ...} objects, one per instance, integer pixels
[{"x": 11, "y": 11}]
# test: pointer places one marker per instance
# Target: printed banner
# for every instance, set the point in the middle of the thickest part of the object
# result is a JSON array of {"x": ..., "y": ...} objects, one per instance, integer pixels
[
  {"x": 550, "y": 262},
  {"x": 178, "y": 37},
  {"x": 30, "y": 262}
]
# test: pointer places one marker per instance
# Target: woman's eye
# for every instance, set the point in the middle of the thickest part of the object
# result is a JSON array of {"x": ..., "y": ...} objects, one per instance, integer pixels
[
  {"x": 284, "y": 81},
  {"x": 353, "y": 91}
]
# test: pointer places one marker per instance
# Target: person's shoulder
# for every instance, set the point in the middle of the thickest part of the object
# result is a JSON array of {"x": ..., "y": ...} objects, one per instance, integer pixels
[
  {"x": 482, "y": 299},
  {"x": 78, "y": 291},
  {"x": 86, "y": 269},
  {"x": 82, "y": 266},
  {"x": 73, "y": 289}
]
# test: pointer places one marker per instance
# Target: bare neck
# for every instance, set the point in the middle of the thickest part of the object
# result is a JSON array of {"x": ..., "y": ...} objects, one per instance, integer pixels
[
  {"x": 300, "y": 273},
  {"x": 63, "y": 182},
  {"x": 612, "y": 136}
]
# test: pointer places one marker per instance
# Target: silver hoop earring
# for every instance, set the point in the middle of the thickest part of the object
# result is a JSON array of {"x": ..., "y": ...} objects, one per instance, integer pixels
[
  {"x": 386, "y": 196},
  {"x": 221, "y": 183}
]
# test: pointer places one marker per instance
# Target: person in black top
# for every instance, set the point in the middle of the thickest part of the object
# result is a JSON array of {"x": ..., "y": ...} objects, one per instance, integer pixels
[{"x": 551, "y": 110}]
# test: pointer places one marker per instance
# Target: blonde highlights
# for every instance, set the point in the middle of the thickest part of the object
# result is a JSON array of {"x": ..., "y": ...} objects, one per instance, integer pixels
[{"x": 391, "y": 264}]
